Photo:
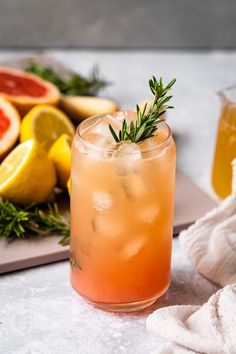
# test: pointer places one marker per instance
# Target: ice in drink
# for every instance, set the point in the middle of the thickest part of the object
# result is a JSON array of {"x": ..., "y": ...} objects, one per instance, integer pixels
[{"x": 122, "y": 201}]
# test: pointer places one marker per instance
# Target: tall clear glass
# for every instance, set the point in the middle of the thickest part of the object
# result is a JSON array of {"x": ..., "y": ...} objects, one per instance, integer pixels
[{"x": 122, "y": 220}]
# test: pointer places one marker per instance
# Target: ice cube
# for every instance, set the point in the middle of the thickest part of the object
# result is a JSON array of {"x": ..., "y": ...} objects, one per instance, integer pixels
[
  {"x": 127, "y": 154},
  {"x": 149, "y": 148},
  {"x": 115, "y": 120},
  {"x": 126, "y": 114},
  {"x": 102, "y": 201},
  {"x": 79, "y": 145},
  {"x": 128, "y": 151},
  {"x": 128, "y": 168},
  {"x": 134, "y": 186},
  {"x": 108, "y": 225},
  {"x": 99, "y": 135},
  {"x": 149, "y": 213},
  {"x": 101, "y": 129},
  {"x": 134, "y": 247},
  {"x": 148, "y": 144},
  {"x": 100, "y": 146},
  {"x": 101, "y": 142}
]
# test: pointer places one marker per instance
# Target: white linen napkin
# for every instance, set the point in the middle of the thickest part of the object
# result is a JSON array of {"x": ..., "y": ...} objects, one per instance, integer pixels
[
  {"x": 208, "y": 329},
  {"x": 210, "y": 244}
]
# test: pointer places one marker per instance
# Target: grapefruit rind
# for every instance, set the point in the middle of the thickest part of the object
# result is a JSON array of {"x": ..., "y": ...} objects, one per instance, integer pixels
[
  {"x": 11, "y": 135},
  {"x": 24, "y": 102}
]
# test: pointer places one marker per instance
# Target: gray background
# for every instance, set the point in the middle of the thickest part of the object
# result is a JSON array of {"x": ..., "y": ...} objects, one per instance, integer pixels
[{"x": 189, "y": 24}]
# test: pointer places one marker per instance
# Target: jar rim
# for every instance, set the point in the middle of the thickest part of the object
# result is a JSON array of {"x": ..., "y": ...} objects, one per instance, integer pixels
[
  {"x": 225, "y": 93},
  {"x": 90, "y": 145}
]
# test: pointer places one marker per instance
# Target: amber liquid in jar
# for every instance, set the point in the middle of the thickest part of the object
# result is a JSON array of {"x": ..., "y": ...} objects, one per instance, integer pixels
[{"x": 225, "y": 148}]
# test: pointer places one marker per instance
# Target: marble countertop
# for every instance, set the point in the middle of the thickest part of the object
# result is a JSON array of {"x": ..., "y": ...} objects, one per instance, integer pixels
[{"x": 39, "y": 311}]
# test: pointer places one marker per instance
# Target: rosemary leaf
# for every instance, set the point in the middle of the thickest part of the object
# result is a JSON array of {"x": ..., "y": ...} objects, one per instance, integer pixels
[
  {"x": 147, "y": 121},
  {"x": 114, "y": 134},
  {"x": 75, "y": 84},
  {"x": 17, "y": 222}
]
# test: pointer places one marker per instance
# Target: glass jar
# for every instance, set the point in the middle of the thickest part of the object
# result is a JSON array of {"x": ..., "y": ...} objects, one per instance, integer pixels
[
  {"x": 122, "y": 206},
  {"x": 225, "y": 148}
]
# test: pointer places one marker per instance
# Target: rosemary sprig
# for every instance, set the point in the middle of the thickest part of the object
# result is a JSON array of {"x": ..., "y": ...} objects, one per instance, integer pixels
[
  {"x": 21, "y": 223},
  {"x": 75, "y": 84},
  {"x": 147, "y": 122}
]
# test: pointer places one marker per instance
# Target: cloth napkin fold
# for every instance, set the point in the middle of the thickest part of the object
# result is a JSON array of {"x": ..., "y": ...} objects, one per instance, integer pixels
[
  {"x": 210, "y": 244},
  {"x": 209, "y": 329}
]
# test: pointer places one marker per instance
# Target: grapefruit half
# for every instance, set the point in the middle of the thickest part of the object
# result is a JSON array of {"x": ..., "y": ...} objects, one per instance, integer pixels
[
  {"x": 26, "y": 90},
  {"x": 9, "y": 126}
]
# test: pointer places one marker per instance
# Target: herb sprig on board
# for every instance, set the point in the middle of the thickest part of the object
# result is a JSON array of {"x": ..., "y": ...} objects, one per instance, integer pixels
[
  {"x": 21, "y": 223},
  {"x": 148, "y": 119},
  {"x": 74, "y": 84}
]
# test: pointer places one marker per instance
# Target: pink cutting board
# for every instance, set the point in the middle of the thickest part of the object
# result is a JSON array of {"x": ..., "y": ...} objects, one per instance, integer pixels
[{"x": 190, "y": 204}]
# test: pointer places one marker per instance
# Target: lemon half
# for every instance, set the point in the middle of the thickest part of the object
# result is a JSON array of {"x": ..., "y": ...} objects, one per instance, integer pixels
[
  {"x": 27, "y": 175},
  {"x": 45, "y": 124}
]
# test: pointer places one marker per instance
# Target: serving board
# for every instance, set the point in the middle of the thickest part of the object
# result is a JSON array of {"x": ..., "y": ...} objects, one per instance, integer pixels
[
  {"x": 190, "y": 204},
  {"x": 23, "y": 254}
]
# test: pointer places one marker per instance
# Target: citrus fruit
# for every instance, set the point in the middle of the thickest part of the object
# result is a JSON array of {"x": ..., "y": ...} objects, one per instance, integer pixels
[
  {"x": 60, "y": 153},
  {"x": 9, "y": 126},
  {"x": 27, "y": 175},
  {"x": 68, "y": 185},
  {"x": 26, "y": 90},
  {"x": 81, "y": 107},
  {"x": 45, "y": 124}
]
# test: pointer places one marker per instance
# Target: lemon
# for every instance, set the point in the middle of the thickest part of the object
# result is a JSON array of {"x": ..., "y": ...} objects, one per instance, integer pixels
[
  {"x": 60, "y": 153},
  {"x": 45, "y": 124},
  {"x": 68, "y": 185},
  {"x": 27, "y": 175},
  {"x": 81, "y": 107}
]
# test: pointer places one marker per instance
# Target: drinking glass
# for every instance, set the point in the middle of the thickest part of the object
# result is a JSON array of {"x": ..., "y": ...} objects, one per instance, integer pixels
[{"x": 122, "y": 203}]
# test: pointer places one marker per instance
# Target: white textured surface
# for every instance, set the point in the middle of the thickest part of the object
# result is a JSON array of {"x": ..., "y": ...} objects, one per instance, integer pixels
[{"x": 39, "y": 312}]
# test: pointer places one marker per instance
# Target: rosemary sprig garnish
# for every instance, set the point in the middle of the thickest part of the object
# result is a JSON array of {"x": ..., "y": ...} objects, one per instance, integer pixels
[
  {"x": 21, "y": 223},
  {"x": 147, "y": 120},
  {"x": 75, "y": 84}
]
